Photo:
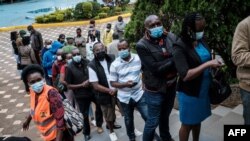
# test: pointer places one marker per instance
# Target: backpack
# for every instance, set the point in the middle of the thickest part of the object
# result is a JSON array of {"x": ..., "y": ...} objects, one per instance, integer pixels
[{"x": 72, "y": 117}]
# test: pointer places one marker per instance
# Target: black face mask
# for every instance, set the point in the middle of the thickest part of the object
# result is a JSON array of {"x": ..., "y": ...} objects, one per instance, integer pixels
[{"x": 101, "y": 55}]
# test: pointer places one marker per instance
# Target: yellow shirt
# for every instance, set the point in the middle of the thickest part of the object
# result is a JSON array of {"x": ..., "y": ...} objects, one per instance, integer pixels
[{"x": 108, "y": 37}]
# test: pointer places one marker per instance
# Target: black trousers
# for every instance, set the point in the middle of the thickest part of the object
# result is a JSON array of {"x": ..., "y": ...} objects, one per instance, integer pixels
[
  {"x": 98, "y": 112},
  {"x": 84, "y": 104}
]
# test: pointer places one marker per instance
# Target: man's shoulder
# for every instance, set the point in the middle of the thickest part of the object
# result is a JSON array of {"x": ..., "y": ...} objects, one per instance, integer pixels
[
  {"x": 141, "y": 42},
  {"x": 245, "y": 22}
]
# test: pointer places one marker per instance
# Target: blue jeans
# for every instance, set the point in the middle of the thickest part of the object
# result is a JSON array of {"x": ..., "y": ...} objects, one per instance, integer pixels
[
  {"x": 245, "y": 97},
  {"x": 160, "y": 106},
  {"x": 129, "y": 114}
]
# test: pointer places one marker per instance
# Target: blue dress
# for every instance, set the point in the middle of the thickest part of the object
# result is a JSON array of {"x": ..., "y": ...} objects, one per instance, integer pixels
[{"x": 193, "y": 110}]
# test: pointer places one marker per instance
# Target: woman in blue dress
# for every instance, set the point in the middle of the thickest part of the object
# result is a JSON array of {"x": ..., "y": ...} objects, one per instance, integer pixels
[{"x": 193, "y": 62}]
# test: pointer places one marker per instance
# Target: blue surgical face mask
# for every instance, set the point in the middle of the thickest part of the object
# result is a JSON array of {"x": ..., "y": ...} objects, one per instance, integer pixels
[
  {"x": 156, "y": 32},
  {"x": 199, "y": 35},
  {"x": 38, "y": 87},
  {"x": 77, "y": 58},
  {"x": 123, "y": 53}
]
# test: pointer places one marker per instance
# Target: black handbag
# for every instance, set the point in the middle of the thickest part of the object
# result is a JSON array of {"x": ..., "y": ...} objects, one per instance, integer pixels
[{"x": 219, "y": 89}]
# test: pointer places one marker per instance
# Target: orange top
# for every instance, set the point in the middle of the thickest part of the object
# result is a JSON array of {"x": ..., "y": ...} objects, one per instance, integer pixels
[{"x": 41, "y": 115}]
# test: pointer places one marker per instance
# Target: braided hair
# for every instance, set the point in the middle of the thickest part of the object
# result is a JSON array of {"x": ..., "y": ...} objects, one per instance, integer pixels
[{"x": 188, "y": 31}]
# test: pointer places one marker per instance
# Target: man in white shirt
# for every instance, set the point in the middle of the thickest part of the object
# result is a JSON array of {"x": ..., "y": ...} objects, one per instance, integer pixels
[
  {"x": 125, "y": 75},
  {"x": 105, "y": 94}
]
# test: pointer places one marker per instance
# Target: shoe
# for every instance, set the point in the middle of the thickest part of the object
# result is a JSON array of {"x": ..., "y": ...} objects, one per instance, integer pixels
[
  {"x": 137, "y": 132},
  {"x": 93, "y": 122},
  {"x": 99, "y": 130},
  {"x": 113, "y": 136},
  {"x": 87, "y": 137},
  {"x": 115, "y": 127}
]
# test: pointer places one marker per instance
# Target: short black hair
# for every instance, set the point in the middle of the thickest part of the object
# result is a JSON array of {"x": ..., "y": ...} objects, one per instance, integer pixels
[
  {"x": 78, "y": 29},
  {"x": 26, "y": 40},
  {"x": 120, "y": 18},
  {"x": 96, "y": 44},
  {"x": 30, "y": 27},
  {"x": 30, "y": 69},
  {"x": 115, "y": 35},
  {"x": 64, "y": 55},
  {"x": 124, "y": 40},
  {"x": 109, "y": 25},
  {"x": 92, "y": 22},
  {"x": 61, "y": 35}
]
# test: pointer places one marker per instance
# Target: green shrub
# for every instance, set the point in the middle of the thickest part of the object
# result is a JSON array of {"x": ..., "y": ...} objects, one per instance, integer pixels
[
  {"x": 96, "y": 17},
  {"x": 221, "y": 18},
  {"x": 87, "y": 10},
  {"x": 103, "y": 15},
  {"x": 118, "y": 13},
  {"x": 45, "y": 20},
  {"x": 96, "y": 8},
  {"x": 78, "y": 11},
  {"x": 39, "y": 19},
  {"x": 68, "y": 14},
  {"x": 105, "y": 9},
  {"x": 59, "y": 17},
  {"x": 118, "y": 9},
  {"x": 52, "y": 18}
]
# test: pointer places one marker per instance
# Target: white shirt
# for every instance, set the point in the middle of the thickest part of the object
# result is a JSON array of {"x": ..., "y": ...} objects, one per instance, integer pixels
[
  {"x": 93, "y": 76},
  {"x": 122, "y": 71}
]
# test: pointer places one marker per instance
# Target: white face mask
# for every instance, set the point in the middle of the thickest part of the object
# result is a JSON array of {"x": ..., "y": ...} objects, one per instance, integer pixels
[
  {"x": 48, "y": 46},
  {"x": 199, "y": 35},
  {"x": 59, "y": 58}
]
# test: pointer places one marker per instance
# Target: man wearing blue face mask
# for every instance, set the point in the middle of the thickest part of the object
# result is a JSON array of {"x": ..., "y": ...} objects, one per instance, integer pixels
[
  {"x": 125, "y": 75},
  {"x": 77, "y": 79},
  {"x": 159, "y": 76}
]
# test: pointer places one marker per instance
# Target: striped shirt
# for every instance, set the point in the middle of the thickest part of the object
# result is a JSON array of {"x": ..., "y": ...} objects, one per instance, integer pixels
[{"x": 122, "y": 71}]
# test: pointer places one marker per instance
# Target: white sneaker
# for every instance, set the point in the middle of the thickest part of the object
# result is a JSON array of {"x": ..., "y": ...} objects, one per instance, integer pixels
[
  {"x": 93, "y": 122},
  {"x": 137, "y": 132},
  {"x": 113, "y": 136}
]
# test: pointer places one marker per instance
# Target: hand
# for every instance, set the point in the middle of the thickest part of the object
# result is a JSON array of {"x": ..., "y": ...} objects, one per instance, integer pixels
[
  {"x": 129, "y": 83},
  {"x": 26, "y": 125},
  {"x": 112, "y": 92},
  {"x": 85, "y": 83},
  {"x": 214, "y": 63}
]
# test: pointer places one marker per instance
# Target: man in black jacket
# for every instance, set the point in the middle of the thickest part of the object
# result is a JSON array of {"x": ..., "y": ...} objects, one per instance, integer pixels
[
  {"x": 78, "y": 80},
  {"x": 36, "y": 41},
  {"x": 159, "y": 76},
  {"x": 105, "y": 93}
]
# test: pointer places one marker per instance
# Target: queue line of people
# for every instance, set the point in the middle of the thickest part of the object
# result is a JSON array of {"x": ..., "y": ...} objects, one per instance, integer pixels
[{"x": 165, "y": 64}]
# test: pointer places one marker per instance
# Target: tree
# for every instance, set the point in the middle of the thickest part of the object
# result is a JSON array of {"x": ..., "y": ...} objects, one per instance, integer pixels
[{"x": 222, "y": 17}]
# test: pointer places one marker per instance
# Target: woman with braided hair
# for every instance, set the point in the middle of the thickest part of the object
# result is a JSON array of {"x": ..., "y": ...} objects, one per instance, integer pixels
[{"x": 193, "y": 59}]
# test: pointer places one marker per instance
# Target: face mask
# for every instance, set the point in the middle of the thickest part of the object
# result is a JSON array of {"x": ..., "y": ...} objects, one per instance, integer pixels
[
  {"x": 59, "y": 58},
  {"x": 199, "y": 35},
  {"x": 48, "y": 46},
  {"x": 101, "y": 55},
  {"x": 156, "y": 32},
  {"x": 77, "y": 58},
  {"x": 124, "y": 53},
  {"x": 69, "y": 61},
  {"x": 38, "y": 86}
]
